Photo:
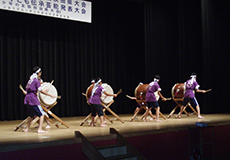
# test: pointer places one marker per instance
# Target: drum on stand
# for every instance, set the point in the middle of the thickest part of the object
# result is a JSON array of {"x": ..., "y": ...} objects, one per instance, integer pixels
[
  {"x": 140, "y": 92},
  {"x": 89, "y": 91},
  {"x": 104, "y": 99},
  {"x": 47, "y": 100},
  {"x": 178, "y": 91}
]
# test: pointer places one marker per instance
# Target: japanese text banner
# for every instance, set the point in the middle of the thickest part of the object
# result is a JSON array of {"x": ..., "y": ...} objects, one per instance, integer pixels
[{"x": 76, "y": 10}]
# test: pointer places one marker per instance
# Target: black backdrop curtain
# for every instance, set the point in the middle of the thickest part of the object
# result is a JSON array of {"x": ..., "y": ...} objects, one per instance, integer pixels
[
  {"x": 189, "y": 36},
  {"x": 127, "y": 42}
]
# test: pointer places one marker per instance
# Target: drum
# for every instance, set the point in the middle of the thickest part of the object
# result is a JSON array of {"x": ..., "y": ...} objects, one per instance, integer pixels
[
  {"x": 104, "y": 99},
  {"x": 107, "y": 99},
  {"x": 89, "y": 91},
  {"x": 47, "y": 100},
  {"x": 141, "y": 90},
  {"x": 178, "y": 90}
]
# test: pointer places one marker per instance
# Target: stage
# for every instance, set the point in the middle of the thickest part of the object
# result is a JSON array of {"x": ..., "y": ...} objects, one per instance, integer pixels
[{"x": 11, "y": 140}]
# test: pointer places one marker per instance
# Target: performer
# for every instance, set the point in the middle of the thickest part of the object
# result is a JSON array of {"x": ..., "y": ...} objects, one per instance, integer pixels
[
  {"x": 95, "y": 102},
  {"x": 31, "y": 100},
  {"x": 24, "y": 92},
  {"x": 191, "y": 86},
  {"x": 151, "y": 99}
]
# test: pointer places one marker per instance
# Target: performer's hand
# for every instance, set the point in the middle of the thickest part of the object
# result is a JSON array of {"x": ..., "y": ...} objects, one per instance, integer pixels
[
  {"x": 204, "y": 91},
  {"x": 46, "y": 90},
  {"x": 164, "y": 99},
  {"x": 115, "y": 95}
]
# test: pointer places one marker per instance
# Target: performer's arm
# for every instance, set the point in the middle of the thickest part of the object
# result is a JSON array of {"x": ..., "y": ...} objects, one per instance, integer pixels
[
  {"x": 133, "y": 98},
  {"x": 44, "y": 92},
  {"x": 108, "y": 94},
  {"x": 23, "y": 91},
  {"x": 200, "y": 91},
  {"x": 162, "y": 97}
]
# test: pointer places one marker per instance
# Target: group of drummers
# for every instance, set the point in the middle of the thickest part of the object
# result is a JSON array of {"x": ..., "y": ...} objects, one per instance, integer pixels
[{"x": 153, "y": 90}]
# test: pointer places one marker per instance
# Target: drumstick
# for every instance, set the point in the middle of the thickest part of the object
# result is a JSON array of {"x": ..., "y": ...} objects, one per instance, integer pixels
[
  {"x": 50, "y": 84},
  {"x": 208, "y": 90},
  {"x": 20, "y": 86},
  {"x": 58, "y": 97},
  {"x": 119, "y": 91},
  {"x": 83, "y": 94},
  {"x": 130, "y": 97},
  {"x": 168, "y": 99}
]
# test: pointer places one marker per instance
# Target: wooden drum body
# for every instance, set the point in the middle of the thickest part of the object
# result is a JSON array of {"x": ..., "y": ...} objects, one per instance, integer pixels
[
  {"x": 178, "y": 91},
  {"x": 104, "y": 99},
  {"x": 140, "y": 93},
  {"x": 47, "y": 100}
]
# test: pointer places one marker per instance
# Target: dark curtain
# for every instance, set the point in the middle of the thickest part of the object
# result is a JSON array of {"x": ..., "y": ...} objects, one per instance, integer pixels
[
  {"x": 71, "y": 53},
  {"x": 182, "y": 37},
  {"x": 216, "y": 49}
]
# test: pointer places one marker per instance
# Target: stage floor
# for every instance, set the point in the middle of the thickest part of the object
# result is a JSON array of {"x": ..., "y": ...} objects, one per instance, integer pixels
[{"x": 15, "y": 140}]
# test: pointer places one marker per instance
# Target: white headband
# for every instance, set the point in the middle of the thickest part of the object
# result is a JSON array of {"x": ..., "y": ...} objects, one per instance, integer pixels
[
  {"x": 193, "y": 76},
  {"x": 99, "y": 81},
  {"x": 156, "y": 80},
  {"x": 39, "y": 69}
]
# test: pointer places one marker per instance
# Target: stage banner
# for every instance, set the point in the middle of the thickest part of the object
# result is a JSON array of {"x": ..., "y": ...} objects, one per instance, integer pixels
[{"x": 76, "y": 10}]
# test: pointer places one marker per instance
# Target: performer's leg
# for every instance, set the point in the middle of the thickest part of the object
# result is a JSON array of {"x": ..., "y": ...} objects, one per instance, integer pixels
[
  {"x": 181, "y": 111},
  {"x": 146, "y": 114},
  {"x": 93, "y": 115},
  {"x": 198, "y": 112},
  {"x": 157, "y": 114},
  {"x": 102, "y": 121},
  {"x": 40, "y": 124},
  {"x": 104, "y": 117},
  {"x": 48, "y": 123},
  {"x": 152, "y": 116},
  {"x": 92, "y": 121},
  {"x": 28, "y": 125},
  {"x": 136, "y": 110}
]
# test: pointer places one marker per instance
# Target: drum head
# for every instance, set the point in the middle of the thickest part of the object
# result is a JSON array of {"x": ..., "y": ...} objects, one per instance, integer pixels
[
  {"x": 178, "y": 90},
  {"x": 106, "y": 99},
  {"x": 47, "y": 100}
]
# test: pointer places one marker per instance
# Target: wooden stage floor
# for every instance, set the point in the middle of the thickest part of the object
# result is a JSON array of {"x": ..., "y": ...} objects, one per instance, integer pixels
[{"x": 15, "y": 140}]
